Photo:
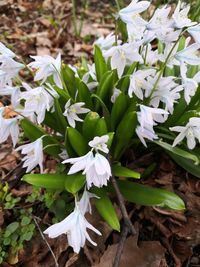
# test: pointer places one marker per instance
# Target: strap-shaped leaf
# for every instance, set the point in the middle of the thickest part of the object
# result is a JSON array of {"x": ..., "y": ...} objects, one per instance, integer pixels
[
  {"x": 106, "y": 209},
  {"x": 149, "y": 196},
  {"x": 77, "y": 141},
  {"x": 121, "y": 171},
  {"x": 62, "y": 123},
  {"x": 89, "y": 125},
  {"x": 74, "y": 182},
  {"x": 100, "y": 63},
  {"x": 178, "y": 151}
]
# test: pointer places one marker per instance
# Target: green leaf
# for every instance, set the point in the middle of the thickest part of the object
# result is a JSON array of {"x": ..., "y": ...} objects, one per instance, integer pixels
[
  {"x": 69, "y": 80},
  {"x": 186, "y": 164},
  {"x": 118, "y": 110},
  {"x": 101, "y": 127},
  {"x": 106, "y": 209},
  {"x": 61, "y": 121},
  {"x": 149, "y": 196},
  {"x": 77, "y": 141},
  {"x": 84, "y": 94},
  {"x": 178, "y": 151},
  {"x": 100, "y": 63},
  {"x": 121, "y": 171},
  {"x": 89, "y": 125},
  {"x": 74, "y": 182},
  {"x": 124, "y": 133},
  {"x": 50, "y": 181},
  {"x": 106, "y": 112},
  {"x": 12, "y": 227}
]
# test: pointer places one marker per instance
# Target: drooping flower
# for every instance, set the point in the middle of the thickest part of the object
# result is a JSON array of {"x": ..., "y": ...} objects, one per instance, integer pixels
[
  {"x": 5, "y": 52},
  {"x": 75, "y": 226},
  {"x": 71, "y": 112},
  {"x": 90, "y": 78},
  {"x": 8, "y": 127},
  {"x": 107, "y": 42},
  {"x": 180, "y": 16},
  {"x": 46, "y": 66},
  {"x": 191, "y": 131},
  {"x": 34, "y": 155},
  {"x": 123, "y": 55},
  {"x": 84, "y": 202},
  {"x": 37, "y": 102},
  {"x": 95, "y": 167}
]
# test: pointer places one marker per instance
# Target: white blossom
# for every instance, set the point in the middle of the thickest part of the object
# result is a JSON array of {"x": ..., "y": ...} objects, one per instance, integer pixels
[
  {"x": 46, "y": 66},
  {"x": 37, "y": 102},
  {"x": 75, "y": 226},
  {"x": 123, "y": 55},
  {"x": 34, "y": 155},
  {"x": 107, "y": 42},
  {"x": 8, "y": 127},
  {"x": 5, "y": 52},
  {"x": 191, "y": 131},
  {"x": 116, "y": 93},
  {"x": 84, "y": 202},
  {"x": 189, "y": 55},
  {"x": 99, "y": 143},
  {"x": 195, "y": 32},
  {"x": 71, "y": 112},
  {"x": 180, "y": 16}
]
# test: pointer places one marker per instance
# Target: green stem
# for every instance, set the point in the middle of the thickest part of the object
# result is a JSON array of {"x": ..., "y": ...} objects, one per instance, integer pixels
[
  {"x": 163, "y": 67},
  {"x": 85, "y": 6},
  {"x": 74, "y": 17},
  {"x": 118, "y": 5}
]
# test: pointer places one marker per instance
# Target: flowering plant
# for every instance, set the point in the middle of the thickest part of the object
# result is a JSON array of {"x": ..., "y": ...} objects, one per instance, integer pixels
[{"x": 133, "y": 95}]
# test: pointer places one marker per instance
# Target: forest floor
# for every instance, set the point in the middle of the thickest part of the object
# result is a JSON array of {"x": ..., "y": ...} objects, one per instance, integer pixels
[{"x": 164, "y": 237}]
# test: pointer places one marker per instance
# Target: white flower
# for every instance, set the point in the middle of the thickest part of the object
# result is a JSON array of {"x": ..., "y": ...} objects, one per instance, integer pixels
[
  {"x": 148, "y": 117},
  {"x": 8, "y": 127},
  {"x": 63, "y": 154},
  {"x": 71, "y": 112},
  {"x": 189, "y": 84},
  {"x": 129, "y": 13},
  {"x": 9, "y": 69},
  {"x": 37, "y": 101},
  {"x": 14, "y": 92},
  {"x": 123, "y": 55},
  {"x": 5, "y": 52},
  {"x": 47, "y": 66},
  {"x": 88, "y": 75},
  {"x": 99, "y": 143},
  {"x": 107, "y": 42},
  {"x": 116, "y": 93},
  {"x": 195, "y": 32},
  {"x": 34, "y": 155},
  {"x": 189, "y": 55},
  {"x": 191, "y": 131},
  {"x": 75, "y": 226},
  {"x": 180, "y": 17},
  {"x": 152, "y": 55},
  {"x": 84, "y": 202},
  {"x": 96, "y": 168},
  {"x": 137, "y": 80},
  {"x": 160, "y": 19}
]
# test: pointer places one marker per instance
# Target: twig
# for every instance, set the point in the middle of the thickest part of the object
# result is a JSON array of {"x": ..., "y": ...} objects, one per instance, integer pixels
[
  {"x": 43, "y": 237},
  {"x": 122, "y": 207},
  {"x": 120, "y": 247}
]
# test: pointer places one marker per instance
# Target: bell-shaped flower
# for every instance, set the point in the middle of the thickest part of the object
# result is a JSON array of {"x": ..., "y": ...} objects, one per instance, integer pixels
[
  {"x": 123, "y": 55},
  {"x": 133, "y": 10},
  {"x": 189, "y": 55},
  {"x": 180, "y": 16},
  {"x": 160, "y": 19},
  {"x": 71, "y": 112},
  {"x": 37, "y": 102},
  {"x": 189, "y": 85},
  {"x": 8, "y": 126},
  {"x": 147, "y": 133},
  {"x": 191, "y": 131},
  {"x": 195, "y": 32},
  {"x": 75, "y": 226},
  {"x": 90, "y": 78},
  {"x": 46, "y": 66},
  {"x": 34, "y": 155},
  {"x": 116, "y": 93},
  {"x": 137, "y": 80}
]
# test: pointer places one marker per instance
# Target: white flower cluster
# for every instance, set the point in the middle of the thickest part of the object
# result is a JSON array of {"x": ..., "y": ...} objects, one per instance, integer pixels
[{"x": 159, "y": 77}]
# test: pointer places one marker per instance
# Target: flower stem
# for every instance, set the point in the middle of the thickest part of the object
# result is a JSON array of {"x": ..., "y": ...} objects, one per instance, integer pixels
[
  {"x": 118, "y": 5},
  {"x": 74, "y": 17}
]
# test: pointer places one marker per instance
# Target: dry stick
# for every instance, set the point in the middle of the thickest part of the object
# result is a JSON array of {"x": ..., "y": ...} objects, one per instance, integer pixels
[
  {"x": 43, "y": 237},
  {"x": 120, "y": 246},
  {"x": 122, "y": 207}
]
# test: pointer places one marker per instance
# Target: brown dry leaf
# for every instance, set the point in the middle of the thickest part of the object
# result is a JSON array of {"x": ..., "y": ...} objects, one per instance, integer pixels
[{"x": 150, "y": 253}]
